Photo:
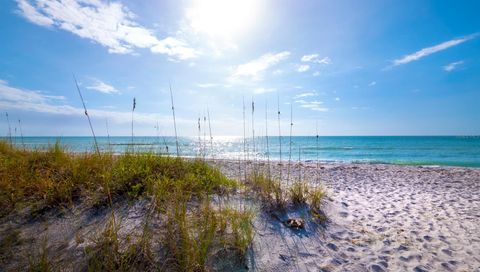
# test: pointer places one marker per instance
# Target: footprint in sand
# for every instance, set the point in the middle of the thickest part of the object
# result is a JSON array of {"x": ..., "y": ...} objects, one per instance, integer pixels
[
  {"x": 332, "y": 246},
  {"x": 420, "y": 268},
  {"x": 448, "y": 252},
  {"x": 402, "y": 248},
  {"x": 376, "y": 268}
]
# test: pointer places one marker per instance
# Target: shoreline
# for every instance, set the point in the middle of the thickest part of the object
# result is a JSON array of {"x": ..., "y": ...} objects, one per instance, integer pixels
[{"x": 458, "y": 151}]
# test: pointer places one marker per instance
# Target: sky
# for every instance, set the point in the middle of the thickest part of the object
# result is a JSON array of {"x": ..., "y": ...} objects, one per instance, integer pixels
[{"x": 370, "y": 67}]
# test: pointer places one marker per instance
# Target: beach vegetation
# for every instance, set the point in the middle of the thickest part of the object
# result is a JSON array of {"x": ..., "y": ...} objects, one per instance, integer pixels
[
  {"x": 299, "y": 192},
  {"x": 39, "y": 261},
  {"x": 180, "y": 191},
  {"x": 316, "y": 196}
]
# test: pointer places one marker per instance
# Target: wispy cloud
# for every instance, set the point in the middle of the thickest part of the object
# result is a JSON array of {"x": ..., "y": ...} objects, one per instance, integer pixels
[
  {"x": 303, "y": 68},
  {"x": 312, "y": 105},
  {"x": 257, "y": 67},
  {"x": 302, "y": 95},
  {"x": 373, "y": 83},
  {"x": 433, "y": 49},
  {"x": 337, "y": 98},
  {"x": 207, "y": 85},
  {"x": 262, "y": 90},
  {"x": 360, "y": 108},
  {"x": 11, "y": 94},
  {"x": 110, "y": 24},
  {"x": 316, "y": 73},
  {"x": 102, "y": 87},
  {"x": 35, "y": 101},
  {"x": 314, "y": 58},
  {"x": 452, "y": 66}
]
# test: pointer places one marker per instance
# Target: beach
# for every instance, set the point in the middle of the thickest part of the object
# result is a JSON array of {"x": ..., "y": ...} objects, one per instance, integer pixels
[{"x": 380, "y": 218}]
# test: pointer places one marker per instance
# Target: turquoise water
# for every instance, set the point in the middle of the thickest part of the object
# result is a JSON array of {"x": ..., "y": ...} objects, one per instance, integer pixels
[{"x": 412, "y": 150}]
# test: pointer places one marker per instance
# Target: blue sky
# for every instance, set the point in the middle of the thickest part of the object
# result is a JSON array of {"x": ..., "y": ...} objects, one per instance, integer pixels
[{"x": 353, "y": 67}]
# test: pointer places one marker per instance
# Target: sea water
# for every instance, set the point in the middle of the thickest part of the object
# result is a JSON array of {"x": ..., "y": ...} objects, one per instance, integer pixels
[{"x": 411, "y": 150}]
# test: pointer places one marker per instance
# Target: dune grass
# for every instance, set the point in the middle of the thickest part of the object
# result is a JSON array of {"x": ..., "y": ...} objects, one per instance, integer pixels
[
  {"x": 275, "y": 196},
  {"x": 181, "y": 191},
  {"x": 54, "y": 177},
  {"x": 186, "y": 194}
]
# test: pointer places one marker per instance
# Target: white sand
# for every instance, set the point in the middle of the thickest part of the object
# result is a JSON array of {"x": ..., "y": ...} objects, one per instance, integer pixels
[{"x": 382, "y": 218}]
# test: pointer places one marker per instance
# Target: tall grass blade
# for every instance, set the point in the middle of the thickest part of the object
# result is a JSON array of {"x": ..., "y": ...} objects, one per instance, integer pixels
[
  {"x": 199, "y": 152},
  {"x": 108, "y": 133},
  {"x": 133, "y": 110},
  {"x": 21, "y": 133},
  {"x": 299, "y": 165},
  {"x": 88, "y": 117},
  {"x": 317, "y": 150},
  {"x": 253, "y": 136},
  {"x": 210, "y": 131},
  {"x": 266, "y": 138},
  {"x": 174, "y": 121},
  {"x": 290, "y": 143},
  {"x": 245, "y": 154},
  {"x": 204, "y": 135},
  {"x": 157, "y": 130},
  {"x": 9, "y": 128},
  {"x": 279, "y": 134}
]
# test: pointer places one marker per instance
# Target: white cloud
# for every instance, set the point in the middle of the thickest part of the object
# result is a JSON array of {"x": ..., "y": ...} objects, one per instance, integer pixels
[
  {"x": 29, "y": 12},
  {"x": 360, "y": 108},
  {"x": 316, "y": 73},
  {"x": 337, "y": 98},
  {"x": 207, "y": 85},
  {"x": 314, "y": 58},
  {"x": 257, "y": 67},
  {"x": 302, "y": 95},
  {"x": 312, "y": 105},
  {"x": 212, "y": 85},
  {"x": 12, "y": 94},
  {"x": 35, "y": 101},
  {"x": 452, "y": 66},
  {"x": 373, "y": 83},
  {"x": 102, "y": 87},
  {"x": 430, "y": 50},
  {"x": 302, "y": 68},
  {"x": 278, "y": 72},
  {"x": 262, "y": 90},
  {"x": 110, "y": 24}
]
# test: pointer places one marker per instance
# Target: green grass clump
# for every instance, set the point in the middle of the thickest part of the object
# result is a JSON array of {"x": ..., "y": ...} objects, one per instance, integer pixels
[
  {"x": 192, "y": 233},
  {"x": 108, "y": 254},
  {"x": 10, "y": 239},
  {"x": 39, "y": 261},
  {"x": 54, "y": 177},
  {"x": 269, "y": 189},
  {"x": 299, "y": 192},
  {"x": 181, "y": 192},
  {"x": 316, "y": 196},
  {"x": 240, "y": 225}
]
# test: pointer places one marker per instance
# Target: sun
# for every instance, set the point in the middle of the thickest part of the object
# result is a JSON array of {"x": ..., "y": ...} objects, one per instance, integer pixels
[{"x": 223, "y": 19}]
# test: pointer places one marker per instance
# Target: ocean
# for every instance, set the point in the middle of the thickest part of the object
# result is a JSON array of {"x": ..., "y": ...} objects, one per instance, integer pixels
[{"x": 408, "y": 150}]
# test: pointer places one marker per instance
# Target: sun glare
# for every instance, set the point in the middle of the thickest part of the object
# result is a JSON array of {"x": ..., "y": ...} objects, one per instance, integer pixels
[{"x": 222, "y": 19}]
